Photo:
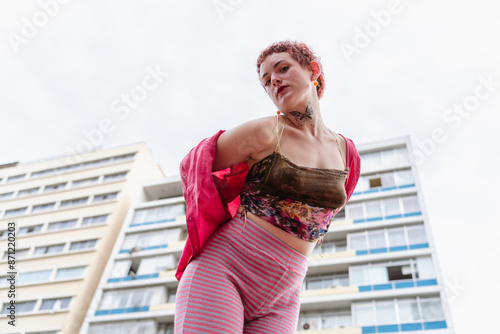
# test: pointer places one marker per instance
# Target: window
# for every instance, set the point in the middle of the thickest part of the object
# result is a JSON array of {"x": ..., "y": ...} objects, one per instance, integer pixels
[
  {"x": 76, "y": 201},
  {"x": 27, "y": 192},
  {"x": 144, "y": 266},
  {"x": 393, "y": 271},
  {"x": 131, "y": 327},
  {"x": 6, "y": 196},
  {"x": 123, "y": 157},
  {"x": 20, "y": 254},
  {"x": 404, "y": 177},
  {"x": 386, "y": 313},
  {"x": 55, "y": 187},
  {"x": 43, "y": 207},
  {"x": 87, "y": 244},
  {"x": 364, "y": 314},
  {"x": 373, "y": 210},
  {"x": 156, "y": 264},
  {"x": 84, "y": 182},
  {"x": 355, "y": 211},
  {"x": 95, "y": 162},
  {"x": 408, "y": 310},
  {"x": 30, "y": 229},
  {"x": 115, "y": 176},
  {"x": 43, "y": 173},
  {"x": 105, "y": 197},
  {"x": 376, "y": 239},
  {"x": 34, "y": 276},
  {"x": 396, "y": 237},
  {"x": 15, "y": 212},
  {"x": 21, "y": 307},
  {"x": 358, "y": 241},
  {"x": 62, "y": 225},
  {"x": 67, "y": 273},
  {"x": 391, "y": 207},
  {"x": 94, "y": 220},
  {"x": 416, "y": 235},
  {"x": 425, "y": 268},
  {"x": 166, "y": 212},
  {"x": 326, "y": 282},
  {"x": 55, "y": 304},
  {"x": 410, "y": 204},
  {"x": 120, "y": 299},
  {"x": 151, "y": 239},
  {"x": 53, "y": 249},
  {"x": 16, "y": 178}
]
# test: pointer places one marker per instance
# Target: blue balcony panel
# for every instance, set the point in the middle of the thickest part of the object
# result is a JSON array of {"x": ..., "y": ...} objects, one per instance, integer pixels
[
  {"x": 368, "y": 329},
  {"x": 361, "y": 252},
  {"x": 427, "y": 282},
  {"x": 402, "y": 285},
  {"x": 378, "y": 250},
  {"x": 413, "y": 214},
  {"x": 388, "y": 188},
  {"x": 435, "y": 324},
  {"x": 364, "y": 288},
  {"x": 411, "y": 327},
  {"x": 148, "y": 276},
  {"x": 358, "y": 221},
  {"x": 373, "y": 219},
  {"x": 155, "y": 247},
  {"x": 388, "y": 329},
  {"x": 371, "y": 191},
  {"x": 382, "y": 286},
  {"x": 417, "y": 246},
  {"x": 398, "y": 248},
  {"x": 407, "y": 186},
  {"x": 393, "y": 216}
]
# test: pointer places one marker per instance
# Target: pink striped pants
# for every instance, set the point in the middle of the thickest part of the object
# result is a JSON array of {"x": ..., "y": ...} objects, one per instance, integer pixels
[{"x": 244, "y": 280}]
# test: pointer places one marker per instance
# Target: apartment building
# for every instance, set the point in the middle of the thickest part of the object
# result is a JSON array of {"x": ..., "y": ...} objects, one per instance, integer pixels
[
  {"x": 67, "y": 213},
  {"x": 376, "y": 271}
]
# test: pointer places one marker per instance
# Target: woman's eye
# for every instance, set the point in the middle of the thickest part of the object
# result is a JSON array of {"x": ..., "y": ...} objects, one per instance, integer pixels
[
  {"x": 284, "y": 68},
  {"x": 268, "y": 81}
]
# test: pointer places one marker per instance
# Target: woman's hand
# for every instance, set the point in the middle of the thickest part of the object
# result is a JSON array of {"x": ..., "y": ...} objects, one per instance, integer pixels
[{"x": 243, "y": 142}]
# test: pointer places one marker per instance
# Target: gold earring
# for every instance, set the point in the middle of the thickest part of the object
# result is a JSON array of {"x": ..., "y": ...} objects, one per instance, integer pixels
[{"x": 315, "y": 83}]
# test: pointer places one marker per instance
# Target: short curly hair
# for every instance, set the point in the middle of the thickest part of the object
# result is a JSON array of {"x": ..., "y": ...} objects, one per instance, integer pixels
[{"x": 301, "y": 52}]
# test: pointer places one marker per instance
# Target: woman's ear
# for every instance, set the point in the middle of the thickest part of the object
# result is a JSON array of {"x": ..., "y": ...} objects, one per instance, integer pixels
[{"x": 315, "y": 69}]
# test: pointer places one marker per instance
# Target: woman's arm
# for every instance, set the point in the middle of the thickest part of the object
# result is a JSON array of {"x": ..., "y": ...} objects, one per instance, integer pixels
[{"x": 243, "y": 142}]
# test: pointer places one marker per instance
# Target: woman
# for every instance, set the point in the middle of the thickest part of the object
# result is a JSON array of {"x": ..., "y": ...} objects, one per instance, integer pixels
[{"x": 242, "y": 269}]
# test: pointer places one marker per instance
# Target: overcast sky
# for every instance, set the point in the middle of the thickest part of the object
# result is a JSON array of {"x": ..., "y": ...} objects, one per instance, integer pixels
[{"x": 93, "y": 74}]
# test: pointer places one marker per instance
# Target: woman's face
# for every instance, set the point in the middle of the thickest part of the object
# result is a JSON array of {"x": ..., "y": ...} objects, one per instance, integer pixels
[{"x": 286, "y": 82}]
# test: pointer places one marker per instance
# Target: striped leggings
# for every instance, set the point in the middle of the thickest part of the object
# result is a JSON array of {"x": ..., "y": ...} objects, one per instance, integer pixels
[{"x": 244, "y": 280}]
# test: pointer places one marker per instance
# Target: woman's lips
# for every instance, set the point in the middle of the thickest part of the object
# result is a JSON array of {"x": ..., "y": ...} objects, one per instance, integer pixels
[{"x": 280, "y": 90}]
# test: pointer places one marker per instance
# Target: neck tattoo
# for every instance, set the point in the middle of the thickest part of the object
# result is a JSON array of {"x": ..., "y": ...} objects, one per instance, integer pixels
[{"x": 302, "y": 117}]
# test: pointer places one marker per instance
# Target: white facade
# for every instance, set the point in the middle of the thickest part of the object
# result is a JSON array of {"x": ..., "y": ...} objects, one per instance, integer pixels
[{"x": 66, "y": 213}]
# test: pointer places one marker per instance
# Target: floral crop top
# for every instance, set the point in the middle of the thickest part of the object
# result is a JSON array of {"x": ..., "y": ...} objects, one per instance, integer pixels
[{"x": 299, "y": 200}]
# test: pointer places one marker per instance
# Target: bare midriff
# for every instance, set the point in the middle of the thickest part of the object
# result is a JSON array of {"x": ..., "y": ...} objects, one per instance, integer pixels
[{"x": 302, "y": 246}]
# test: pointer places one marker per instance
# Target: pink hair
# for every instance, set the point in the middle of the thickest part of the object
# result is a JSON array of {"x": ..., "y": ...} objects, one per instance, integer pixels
[{"x": 302, "y": 53}]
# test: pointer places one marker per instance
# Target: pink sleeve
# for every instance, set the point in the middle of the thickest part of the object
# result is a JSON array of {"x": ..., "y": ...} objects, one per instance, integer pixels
[{"x": 353, "y": 162}]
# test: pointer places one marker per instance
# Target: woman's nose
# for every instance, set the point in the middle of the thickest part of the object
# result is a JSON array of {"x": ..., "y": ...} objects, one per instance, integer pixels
[{"x": 275, "y": 81}]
